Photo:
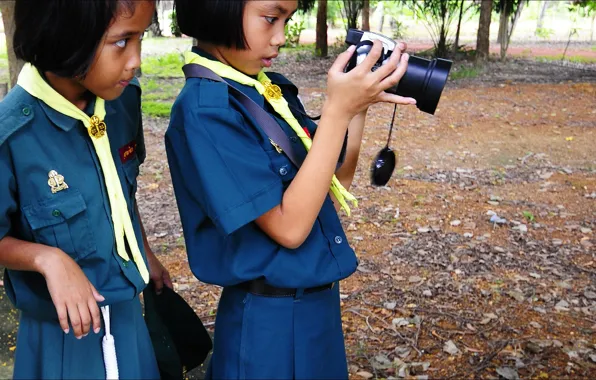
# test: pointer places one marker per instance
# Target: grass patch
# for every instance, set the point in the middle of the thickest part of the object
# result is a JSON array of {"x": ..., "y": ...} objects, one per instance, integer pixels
[
  {"x": 299, "y": 48},
  {"x": 159, "y": 96},
  {"x": 464, "y": 72},
  {"x": 569, "y": 58},
  {"x": 156, "y": 109},
  {"x": 168, "y": 65},
  {"x": 150, "y": 85}
]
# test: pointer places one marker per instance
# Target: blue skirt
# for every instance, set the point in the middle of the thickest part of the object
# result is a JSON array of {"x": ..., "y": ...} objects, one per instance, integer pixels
[
  {"x": 278, "y": 338},
  {"x": 45, "y": 352}
]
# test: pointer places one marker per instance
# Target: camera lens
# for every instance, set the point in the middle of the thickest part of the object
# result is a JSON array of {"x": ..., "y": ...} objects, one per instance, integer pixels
[{"x": 424, "y": 81}]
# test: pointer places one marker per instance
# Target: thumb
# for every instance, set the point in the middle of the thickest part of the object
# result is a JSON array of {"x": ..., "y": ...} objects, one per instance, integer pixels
[
  {"x": 342, "y": 60},
  {"x": 98, "y": 297}
]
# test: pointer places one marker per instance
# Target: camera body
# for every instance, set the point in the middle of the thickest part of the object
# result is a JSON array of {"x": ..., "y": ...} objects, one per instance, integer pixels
[{"x": 424, "y": 79}]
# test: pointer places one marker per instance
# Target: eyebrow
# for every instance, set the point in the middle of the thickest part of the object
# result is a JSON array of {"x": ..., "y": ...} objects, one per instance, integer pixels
[
  {"x": 125, "y": 34},
  {"x": 277, "y": 8}
]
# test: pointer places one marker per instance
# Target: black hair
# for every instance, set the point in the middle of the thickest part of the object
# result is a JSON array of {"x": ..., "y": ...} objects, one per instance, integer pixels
[
  {"x": 218, "y": 22},
  {"x": 62, "y": 36}
]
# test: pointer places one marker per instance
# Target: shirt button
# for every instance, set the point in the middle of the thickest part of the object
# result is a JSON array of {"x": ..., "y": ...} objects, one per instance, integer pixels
[
  {"x": 26, "y": 111},
  {"x": 283, "y": 171},
  {"x": 338, "y": 240},
  {"x": 293, "y": 139},
  {"x": 125, "y": 263},
  {"x": 56, "y": 213}
]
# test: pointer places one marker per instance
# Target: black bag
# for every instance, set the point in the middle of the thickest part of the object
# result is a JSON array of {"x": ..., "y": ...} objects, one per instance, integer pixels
[{"x": 180, "y": 341}]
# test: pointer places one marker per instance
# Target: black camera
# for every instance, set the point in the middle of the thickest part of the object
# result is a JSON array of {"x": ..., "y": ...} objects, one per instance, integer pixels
[{"x": 424, "y": 79}]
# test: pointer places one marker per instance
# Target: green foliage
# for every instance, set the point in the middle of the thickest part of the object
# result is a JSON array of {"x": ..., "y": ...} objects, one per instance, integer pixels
[
  {"x": 156, "y": 109},
  {"x": 437, "y": 16},
  {"x": 293, "y": 31},
  {"x": 174, "y": 28},
  {"x": 463, "y": 72},
  {"x": 545, "y": 33},
  {"x": 400, "y": 30},
  {"x": 169, "y": 65},
  {"x": 586, "y": 7},
  {"x": 572, "y": 58},
  {"x": 351, "y": 11},
  {"x": 529, "y": 216}
]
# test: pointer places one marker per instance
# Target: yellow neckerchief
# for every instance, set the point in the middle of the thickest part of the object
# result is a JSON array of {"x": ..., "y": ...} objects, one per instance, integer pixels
[
  {"x": 32, "y": 82},
  {"x": 273, "y": 95}
]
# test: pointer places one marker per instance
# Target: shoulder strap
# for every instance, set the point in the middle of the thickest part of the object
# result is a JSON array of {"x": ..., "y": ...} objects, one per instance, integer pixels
[{"x": 265, "y": 121}]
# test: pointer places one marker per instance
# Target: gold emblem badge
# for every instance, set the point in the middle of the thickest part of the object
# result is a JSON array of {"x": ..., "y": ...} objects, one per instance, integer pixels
[
  {"x": 56, "y": 182},
  {"x": 272, "y": 91},
  {"x": 97, "y": 128},
  {"x": 277, "y": 147}
]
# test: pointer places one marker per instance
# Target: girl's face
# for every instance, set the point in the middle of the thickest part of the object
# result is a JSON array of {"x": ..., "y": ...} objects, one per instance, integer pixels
[
  {"x": 264, "y": 27},
  {"x": 119, "y": 54}
]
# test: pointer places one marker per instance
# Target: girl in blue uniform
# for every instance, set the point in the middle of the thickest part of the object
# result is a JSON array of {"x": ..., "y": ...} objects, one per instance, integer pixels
[
  {"x": 71, "y": 143},
  {"x": 254, "y": 223}
]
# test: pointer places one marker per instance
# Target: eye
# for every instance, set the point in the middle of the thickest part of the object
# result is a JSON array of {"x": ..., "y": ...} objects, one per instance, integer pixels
[
  {"x": 271, "y": 20},
  {"x": 121, "y": 43}
]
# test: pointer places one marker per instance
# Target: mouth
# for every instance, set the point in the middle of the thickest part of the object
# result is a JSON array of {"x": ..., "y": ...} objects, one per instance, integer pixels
[
  {"x": 124, "y": 83},
  {"x": 269, "y": 60}
]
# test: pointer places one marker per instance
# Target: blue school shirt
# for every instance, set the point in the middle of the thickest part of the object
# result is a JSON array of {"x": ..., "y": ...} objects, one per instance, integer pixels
[
  {"x": 35, "y": 140},
  {"x": 226, "y": 174}
]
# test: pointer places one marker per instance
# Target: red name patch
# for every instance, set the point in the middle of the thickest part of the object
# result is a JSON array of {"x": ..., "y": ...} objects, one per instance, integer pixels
[{"x": 127, "y": 151}]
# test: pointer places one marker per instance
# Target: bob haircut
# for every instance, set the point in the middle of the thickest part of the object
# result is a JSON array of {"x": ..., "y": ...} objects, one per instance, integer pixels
[
  {"x": 218, "y": 22},
  {"x": 63, "y": 36}
]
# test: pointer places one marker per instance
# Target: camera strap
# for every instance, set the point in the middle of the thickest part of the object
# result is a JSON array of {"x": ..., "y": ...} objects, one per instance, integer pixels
[{"x": 265, "y": 121}]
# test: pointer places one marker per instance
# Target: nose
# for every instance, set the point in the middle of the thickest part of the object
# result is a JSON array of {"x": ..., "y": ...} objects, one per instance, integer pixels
[
  {"x": 279, "y": 39},
  {"x": 134, "y": 60}
]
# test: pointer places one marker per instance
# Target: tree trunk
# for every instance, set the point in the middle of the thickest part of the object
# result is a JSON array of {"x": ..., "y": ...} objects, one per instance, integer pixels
[
  {"x": 461, "y": 13},
  {"x": 366, "y": 15},
  {"x": 503, "y": 28},
  {"x": 541, "y": 16},
  {"x": 381, "y": 11},
  {"x": 154, "y": 28},
  {"x": 321, "y": 43},
  {"x": 592, "y": 27},
  {"x": 516, "y": 18},
  {"x": 503, "y": 20},
  {"x": 483, "y": 37},
  {"x": 14, "y": 65}
]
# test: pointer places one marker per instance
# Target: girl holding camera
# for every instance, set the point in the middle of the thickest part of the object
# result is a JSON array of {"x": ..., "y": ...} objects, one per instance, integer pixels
[{"x": 265, "y": 230}]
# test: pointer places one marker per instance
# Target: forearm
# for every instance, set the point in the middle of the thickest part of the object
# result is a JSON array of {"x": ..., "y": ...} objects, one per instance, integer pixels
[
  {"x": 291, "y": 222},
  {"x": 345, "y": 174},
  {"x": 26, "y": 256}
]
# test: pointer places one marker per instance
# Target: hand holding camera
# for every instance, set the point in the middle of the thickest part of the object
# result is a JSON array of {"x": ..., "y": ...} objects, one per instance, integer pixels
[
  {"x": 423, "y": 80},
  {"x": 353, "y": 92}
]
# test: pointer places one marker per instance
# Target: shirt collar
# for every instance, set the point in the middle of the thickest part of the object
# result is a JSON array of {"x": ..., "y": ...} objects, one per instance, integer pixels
[{"x": 66, "y": 123}]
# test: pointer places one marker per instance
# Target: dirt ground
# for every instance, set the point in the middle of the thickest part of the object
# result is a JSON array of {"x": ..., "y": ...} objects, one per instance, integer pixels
[{"x": 443, "y": 292}]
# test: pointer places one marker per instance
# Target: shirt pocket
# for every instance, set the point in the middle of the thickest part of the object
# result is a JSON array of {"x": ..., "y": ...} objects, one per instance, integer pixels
[{"x": 62, "y": 221}]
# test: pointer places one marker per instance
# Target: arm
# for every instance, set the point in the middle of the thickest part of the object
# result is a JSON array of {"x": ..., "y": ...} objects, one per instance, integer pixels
[
  {"x": 73, "y": 295},
  {"x": 159, "y": 274},
  {"x": 345, "y": 174},
  {"x": 349, "y": 94}
]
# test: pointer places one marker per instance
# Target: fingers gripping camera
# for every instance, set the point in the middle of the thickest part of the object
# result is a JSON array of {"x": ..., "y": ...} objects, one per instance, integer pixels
[{"x": 424, "y": 79}]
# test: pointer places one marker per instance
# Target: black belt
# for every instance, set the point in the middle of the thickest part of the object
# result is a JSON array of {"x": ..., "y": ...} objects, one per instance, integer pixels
[{"x": 260, "y": 288}]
